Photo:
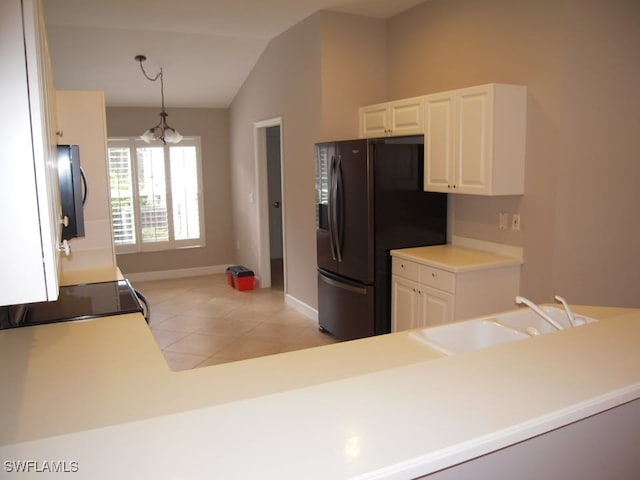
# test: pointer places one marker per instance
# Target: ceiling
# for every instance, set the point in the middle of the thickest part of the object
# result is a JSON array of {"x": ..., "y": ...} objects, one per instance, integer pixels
[{"x": 206, "y": 48}]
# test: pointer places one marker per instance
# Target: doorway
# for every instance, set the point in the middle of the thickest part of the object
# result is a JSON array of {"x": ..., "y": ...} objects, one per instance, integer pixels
[
  {"x": 274, "y": 187},
  {"x": 270, "y": 196}
]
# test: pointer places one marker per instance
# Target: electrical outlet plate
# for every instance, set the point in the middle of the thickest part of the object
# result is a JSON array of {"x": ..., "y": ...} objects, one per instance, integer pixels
[{"x": 515, "y": 221}]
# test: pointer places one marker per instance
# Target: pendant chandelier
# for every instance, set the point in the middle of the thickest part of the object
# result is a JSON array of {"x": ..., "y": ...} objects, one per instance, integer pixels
[{"x": 162, "y": 131}]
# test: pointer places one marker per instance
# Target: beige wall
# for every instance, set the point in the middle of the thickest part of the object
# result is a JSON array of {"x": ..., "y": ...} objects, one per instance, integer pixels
[
  {"x": 579, "y": 60},
  {"x": 284, "y": 83},
  {"x": 597, "y": 223},
  {"x": 313, "y": 83},
  {"x": 212, "y": 125},
  {"x": 354, "y": 66}
]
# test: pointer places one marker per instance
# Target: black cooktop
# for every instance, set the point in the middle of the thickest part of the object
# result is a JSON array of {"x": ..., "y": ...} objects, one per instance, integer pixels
[{"x": 81, "y": 302}]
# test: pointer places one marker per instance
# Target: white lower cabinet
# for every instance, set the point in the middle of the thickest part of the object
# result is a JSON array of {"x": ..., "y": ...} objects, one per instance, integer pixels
[
  {"x": 424, "y": 296},
  {"x": 405, "y": 307},
  {"x": 415, "y": 305}
]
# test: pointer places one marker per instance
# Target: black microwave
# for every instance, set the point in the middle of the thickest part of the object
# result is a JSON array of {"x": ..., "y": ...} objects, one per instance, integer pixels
[{"x": 73, "y": 191}]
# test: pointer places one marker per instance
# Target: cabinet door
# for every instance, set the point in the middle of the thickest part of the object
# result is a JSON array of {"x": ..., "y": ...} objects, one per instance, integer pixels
[
  {"x": 406, "y": 117},
  {"x": 438, "y": 142},
  {"x": 374, "y": 121},
  {"x": 404, "y": 304},
  {"x": 29, "y": 180},
  {"x": 436, "y": 307},
  {"x": 474, "y": 140}
]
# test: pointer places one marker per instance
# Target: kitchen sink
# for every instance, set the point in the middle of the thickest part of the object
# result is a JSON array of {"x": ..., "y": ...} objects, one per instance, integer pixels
[
  {"x": 465, "y": 336},
  {"x": 524, "y": 318},
  {"x": 484, "y": 332}
]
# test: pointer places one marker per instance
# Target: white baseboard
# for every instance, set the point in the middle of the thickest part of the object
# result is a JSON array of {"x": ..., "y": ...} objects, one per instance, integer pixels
[
  {"x": 178, "y": 273},
  {"x": 301, "y": 307}
]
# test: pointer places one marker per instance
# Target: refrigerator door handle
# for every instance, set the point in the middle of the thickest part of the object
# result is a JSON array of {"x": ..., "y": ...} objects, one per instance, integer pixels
[
  {"x": 332, "y": 202},
  {"x": 339, "y": 209},
  {"x": 344, "y": 286}
]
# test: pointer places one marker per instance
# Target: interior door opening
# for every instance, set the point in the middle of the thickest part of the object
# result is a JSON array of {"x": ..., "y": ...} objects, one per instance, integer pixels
[
  {"x": 270, "y": 195},
  {"x": 274, "y": 187}
]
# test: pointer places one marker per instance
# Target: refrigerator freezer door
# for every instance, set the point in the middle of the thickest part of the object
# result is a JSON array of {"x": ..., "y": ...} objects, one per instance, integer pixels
[{"x": 345, "y": 308}]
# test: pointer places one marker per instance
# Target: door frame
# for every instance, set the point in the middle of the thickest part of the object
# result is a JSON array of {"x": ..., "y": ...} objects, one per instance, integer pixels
[{"x": 262, "y": 198}]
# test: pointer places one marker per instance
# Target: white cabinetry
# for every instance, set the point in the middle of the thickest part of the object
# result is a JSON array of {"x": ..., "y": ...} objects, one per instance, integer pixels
[
  {"x": 423, "y": 295},
  {"x": 82, "y": 121},
  {"x": 475, "y": 140},
  {"x": 29, "y": 190},
  {"x": 401, "y": 117}
]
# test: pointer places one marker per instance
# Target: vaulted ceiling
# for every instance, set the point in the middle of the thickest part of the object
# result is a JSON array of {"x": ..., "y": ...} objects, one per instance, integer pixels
[{"x": 206, "y": 47}]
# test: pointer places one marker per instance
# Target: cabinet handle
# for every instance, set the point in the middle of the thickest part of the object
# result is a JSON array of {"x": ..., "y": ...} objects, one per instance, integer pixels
[
  {"x": 434, "y": 274},
  {"x": 402, "y": 265}
]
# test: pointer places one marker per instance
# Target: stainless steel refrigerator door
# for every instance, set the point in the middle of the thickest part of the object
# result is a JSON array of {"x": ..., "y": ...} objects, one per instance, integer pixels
[
  {"x": 354, "y": 196},
  {"x": 344, "y": 209},
  {"x": 345, "y": 308}
]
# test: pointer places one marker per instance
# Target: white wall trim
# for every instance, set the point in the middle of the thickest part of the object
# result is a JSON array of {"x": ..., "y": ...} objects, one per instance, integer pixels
[
  {"x": 301, "y": 307},
  {"x": 177, "y": 273}
]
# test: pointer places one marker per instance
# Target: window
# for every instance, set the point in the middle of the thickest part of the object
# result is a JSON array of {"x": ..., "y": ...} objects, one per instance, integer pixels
[{"x": 156, "y": 195}]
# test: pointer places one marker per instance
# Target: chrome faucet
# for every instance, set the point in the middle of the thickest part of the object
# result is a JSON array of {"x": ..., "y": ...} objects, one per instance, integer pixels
[{"x": 539, "y": 311}]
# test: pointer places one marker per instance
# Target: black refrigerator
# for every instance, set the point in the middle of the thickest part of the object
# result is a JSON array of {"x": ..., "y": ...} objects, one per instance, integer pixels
[{"x": 369, "y": 200}]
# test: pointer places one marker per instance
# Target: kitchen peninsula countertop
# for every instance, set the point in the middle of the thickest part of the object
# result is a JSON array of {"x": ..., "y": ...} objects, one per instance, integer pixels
[{"x": 101, "y": 394}]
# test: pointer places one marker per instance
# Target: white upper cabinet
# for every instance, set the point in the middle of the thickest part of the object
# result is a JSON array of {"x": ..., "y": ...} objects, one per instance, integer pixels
[
  {"x": 475, "y": 140},
  {"x": 401, "y": 117},
  {"x": 29, "y": 190}
]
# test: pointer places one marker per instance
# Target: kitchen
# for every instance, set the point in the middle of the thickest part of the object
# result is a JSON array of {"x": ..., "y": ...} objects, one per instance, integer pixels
[
  {"x": 564, "y": 172},
  {"x": 577, "y": 237}
]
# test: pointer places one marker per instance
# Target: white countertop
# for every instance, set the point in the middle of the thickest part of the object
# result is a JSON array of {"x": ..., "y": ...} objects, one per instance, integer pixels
[
  {"x": 455, "y": 258},
  {"x": 100, "y": 393},
  {"x": 70, "y": 377}
]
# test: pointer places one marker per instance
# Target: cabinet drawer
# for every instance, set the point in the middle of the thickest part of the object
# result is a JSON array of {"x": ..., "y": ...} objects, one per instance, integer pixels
[
  {"x": 437, "y": 278},
  {"x": 405, "y": 269}
]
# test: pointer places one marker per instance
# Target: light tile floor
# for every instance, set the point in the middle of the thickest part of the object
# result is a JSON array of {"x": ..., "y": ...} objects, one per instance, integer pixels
[{"x": 200, "y": 321}]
